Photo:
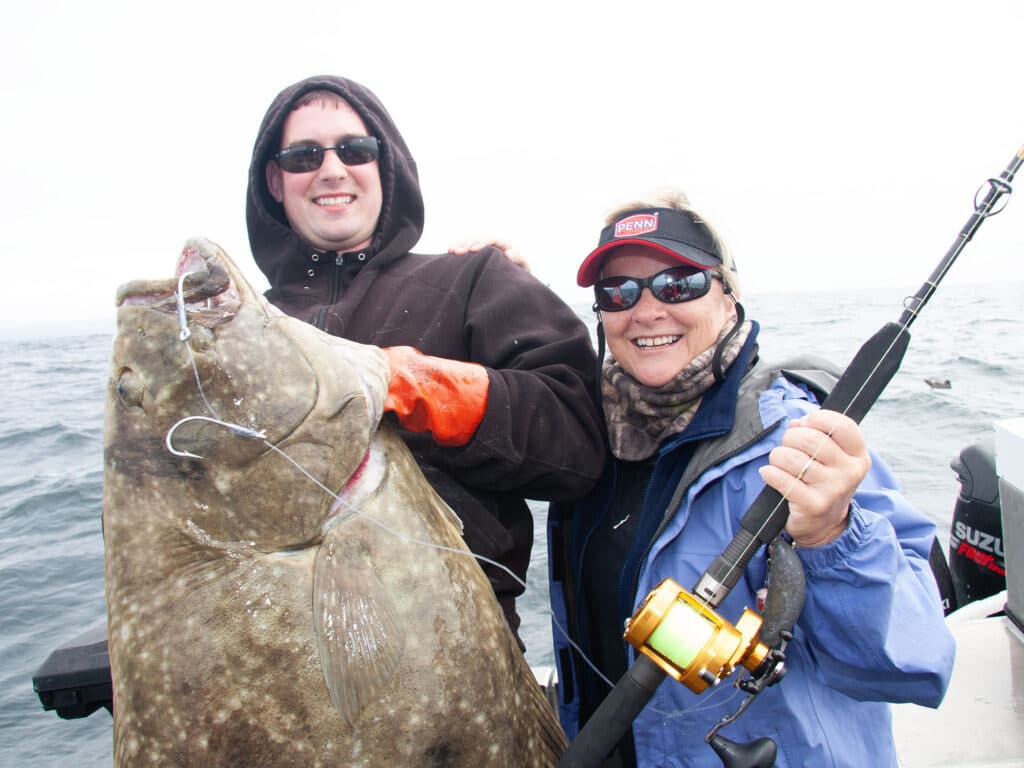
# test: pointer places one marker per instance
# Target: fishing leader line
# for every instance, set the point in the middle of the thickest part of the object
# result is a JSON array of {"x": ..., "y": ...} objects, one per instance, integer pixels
[{"x": 184, "y": 335}]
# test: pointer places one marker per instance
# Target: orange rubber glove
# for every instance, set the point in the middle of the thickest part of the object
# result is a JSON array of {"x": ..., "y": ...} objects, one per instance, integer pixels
[{"x": 431, "y": 394}]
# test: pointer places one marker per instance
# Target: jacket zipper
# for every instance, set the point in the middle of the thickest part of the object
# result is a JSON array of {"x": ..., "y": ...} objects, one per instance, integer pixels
[
  {"x": 321, "y": 316},
  {"x": 577, "y": 588},
  {"x": 636, "y": 576},
  {"x": 574, "y": 591}
]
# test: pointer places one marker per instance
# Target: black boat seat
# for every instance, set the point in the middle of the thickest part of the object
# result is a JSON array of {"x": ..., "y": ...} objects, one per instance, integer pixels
[{"x": 75, "y": 678}]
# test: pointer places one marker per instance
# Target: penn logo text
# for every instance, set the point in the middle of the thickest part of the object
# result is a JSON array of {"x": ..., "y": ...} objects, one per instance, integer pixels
[{"x": 637, "y": 224}]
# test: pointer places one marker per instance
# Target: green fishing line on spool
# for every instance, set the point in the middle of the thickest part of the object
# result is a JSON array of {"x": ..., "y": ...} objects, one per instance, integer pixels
[{"x": 681, "y": 635}]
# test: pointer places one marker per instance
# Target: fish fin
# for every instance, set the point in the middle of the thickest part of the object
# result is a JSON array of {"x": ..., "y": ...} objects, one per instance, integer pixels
[{"x": 358, "y": 630}]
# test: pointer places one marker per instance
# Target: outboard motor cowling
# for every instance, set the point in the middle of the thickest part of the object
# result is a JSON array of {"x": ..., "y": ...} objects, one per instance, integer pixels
[{"x": 976, "y": 557}]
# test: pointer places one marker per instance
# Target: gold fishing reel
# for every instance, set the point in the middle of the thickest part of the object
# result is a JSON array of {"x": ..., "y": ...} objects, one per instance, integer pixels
[{"x": 689, "y": 641}]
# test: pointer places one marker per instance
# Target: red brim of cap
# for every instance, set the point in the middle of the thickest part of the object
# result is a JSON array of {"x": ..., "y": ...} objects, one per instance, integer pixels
[{"x": 590, "y": 269}]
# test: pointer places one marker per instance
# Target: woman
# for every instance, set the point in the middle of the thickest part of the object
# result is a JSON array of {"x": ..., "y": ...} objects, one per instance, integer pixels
[{"x": 693, "y": 415}]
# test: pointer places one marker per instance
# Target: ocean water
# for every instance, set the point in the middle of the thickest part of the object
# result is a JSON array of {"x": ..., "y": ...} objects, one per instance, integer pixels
[{"x": 51, "y": 549}]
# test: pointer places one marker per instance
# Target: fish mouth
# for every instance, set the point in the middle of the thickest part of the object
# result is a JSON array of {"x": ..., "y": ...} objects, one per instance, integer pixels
[{"x": 204, "y": 284}]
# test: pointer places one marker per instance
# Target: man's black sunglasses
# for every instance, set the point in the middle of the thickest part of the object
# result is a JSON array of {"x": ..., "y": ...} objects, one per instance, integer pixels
[
  {"x": 672, "y": 286},
  {"x": 304, "y": 158}
]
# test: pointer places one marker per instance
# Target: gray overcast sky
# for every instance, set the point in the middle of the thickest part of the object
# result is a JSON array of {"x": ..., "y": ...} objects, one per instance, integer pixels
[{"x": 833, "y": 145}]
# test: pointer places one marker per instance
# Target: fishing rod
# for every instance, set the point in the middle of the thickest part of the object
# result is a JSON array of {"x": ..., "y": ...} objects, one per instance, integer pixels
[
  {"x": 871, "y": 369},
  {"x": 679, "y": 634}
]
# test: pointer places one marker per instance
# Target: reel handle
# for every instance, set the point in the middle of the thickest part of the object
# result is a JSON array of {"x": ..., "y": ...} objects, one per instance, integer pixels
[{"x": 759, "y": 753}]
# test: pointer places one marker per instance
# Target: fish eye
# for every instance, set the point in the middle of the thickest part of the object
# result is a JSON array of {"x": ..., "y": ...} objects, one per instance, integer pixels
[{"x": 129, "y": 389}]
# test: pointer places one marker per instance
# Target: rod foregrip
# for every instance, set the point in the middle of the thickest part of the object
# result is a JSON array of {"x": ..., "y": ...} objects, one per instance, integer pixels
[{"x": 871, "y": 369}]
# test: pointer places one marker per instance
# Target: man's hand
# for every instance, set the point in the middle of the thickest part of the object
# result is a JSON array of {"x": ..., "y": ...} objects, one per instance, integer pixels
[
  {"x": 447, "y": 398},
  {"x": 512, "y": 253}
]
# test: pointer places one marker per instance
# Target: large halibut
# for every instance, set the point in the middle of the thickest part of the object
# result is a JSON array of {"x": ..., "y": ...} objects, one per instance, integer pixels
[{"x": 283, "y": 586}]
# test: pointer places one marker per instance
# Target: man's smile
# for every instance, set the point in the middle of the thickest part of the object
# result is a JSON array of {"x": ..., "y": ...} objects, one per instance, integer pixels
[{"x": 326, "y": 200}]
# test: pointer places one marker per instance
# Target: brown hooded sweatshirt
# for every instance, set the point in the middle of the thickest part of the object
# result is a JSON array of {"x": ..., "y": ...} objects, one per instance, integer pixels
[{"x": 541, "y": 436}]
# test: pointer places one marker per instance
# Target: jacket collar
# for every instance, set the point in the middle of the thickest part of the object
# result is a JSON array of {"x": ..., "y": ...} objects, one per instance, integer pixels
[{"x": 717, "y": 412}]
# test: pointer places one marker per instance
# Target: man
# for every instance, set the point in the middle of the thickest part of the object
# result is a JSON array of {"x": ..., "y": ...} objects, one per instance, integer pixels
[{"x": 490, "y": 371}]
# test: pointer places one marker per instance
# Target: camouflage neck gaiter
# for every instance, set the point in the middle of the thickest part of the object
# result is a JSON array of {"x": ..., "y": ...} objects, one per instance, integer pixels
[{"x": 639, "y": 418}]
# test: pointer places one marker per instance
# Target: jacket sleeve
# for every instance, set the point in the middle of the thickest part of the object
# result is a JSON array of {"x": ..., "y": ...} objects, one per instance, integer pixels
[
  {"x": 541, "y": 434},
  {"x": 873, "y": 616}
]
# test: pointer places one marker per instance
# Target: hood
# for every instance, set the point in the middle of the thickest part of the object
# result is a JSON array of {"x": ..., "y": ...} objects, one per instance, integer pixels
[{"x": 275, "y": 247}]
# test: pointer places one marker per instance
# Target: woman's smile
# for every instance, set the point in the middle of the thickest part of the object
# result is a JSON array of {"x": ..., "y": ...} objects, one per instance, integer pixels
[{"x": 652, "y": 342}]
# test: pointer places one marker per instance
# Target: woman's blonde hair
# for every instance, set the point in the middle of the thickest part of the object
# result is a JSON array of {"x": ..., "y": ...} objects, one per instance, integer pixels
[{"x": 677, "y": 200}]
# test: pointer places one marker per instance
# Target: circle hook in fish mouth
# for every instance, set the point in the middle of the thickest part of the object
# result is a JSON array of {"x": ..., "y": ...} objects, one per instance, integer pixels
[{"x": 236, "y": 429}]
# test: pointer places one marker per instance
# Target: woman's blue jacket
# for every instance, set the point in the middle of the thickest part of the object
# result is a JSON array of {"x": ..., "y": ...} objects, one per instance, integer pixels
[{"x": 871, "y": 631}]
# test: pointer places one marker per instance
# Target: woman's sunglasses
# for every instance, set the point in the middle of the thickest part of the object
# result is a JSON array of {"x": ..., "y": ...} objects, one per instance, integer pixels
[
  {"x": 304, "y": 158},
  {"x": 672, "y": 286}
]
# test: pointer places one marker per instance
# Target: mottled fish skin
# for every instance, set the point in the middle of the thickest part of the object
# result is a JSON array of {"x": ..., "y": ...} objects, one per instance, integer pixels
[{"x": 255, "y": 620}]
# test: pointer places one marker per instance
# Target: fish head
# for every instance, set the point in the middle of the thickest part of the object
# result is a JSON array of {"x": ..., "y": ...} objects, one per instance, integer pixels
[{"x": 242, "y": 421}]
